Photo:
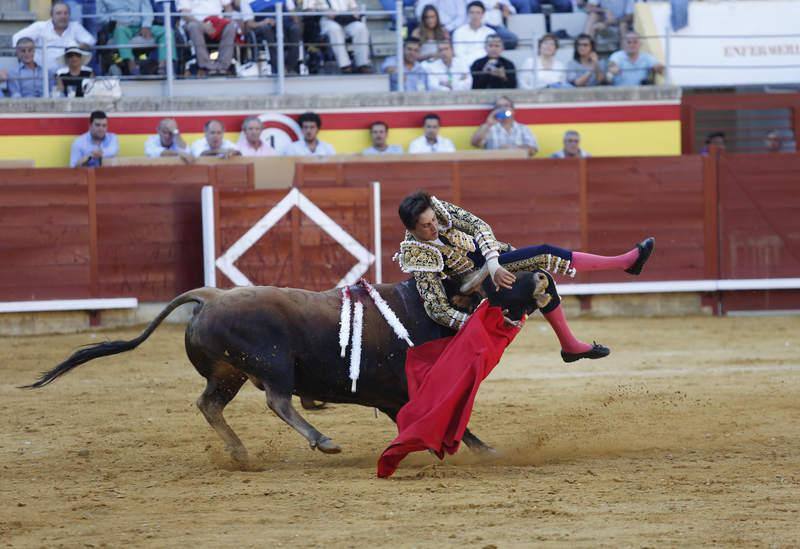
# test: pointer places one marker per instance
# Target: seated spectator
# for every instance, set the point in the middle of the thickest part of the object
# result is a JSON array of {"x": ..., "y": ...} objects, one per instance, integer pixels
[
  {"x": 255, "y": 14},
  {"x": 469, "y": 39},
  {"x": 58, "y": 32},
  {"x": 204, "y": 20},
  {"x": 452, "y": 13},
  {"x": 344, "y": 19},
  {"x": 604, "y": 14},
  {"x": 309, "y": 145},
  {"x": 128, "y": 27},
  {"x": 717, "y": 139},
  {"x": 631, "y": 67},
  {"x": 493, "y": 71},
  {"x": 585, "y": 68},
  {"x": 71, "y": 78},
  {"x": 497, "y": 11},
  {"x": 379, "y": 133},
  {"x": 547, "y": 71},
  {"x": 214, "y": 143},
  {"x": 430, "y": 33},
  {"x": 26, "y": 79},
  {"x": 89, "y": 149},
  {"x": 572, "y": 147},
  {"x": 414, "y": 77},
  {"x": 773, "y": 142},
  {"x": 501, "y": 131},
  {"x": 448, "y": 73},
  {"x": 167, "y": 142},
  {"x": 430, "y": 141},
  {"x": 250, "y": 142},
  {"x": 535, "y": 6}
]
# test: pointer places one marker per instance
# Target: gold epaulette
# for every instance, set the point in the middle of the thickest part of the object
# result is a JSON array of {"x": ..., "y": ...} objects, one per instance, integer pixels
[{"x": 418, "y": 256}]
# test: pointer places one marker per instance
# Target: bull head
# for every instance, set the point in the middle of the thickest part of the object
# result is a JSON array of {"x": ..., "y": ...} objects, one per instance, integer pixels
[{"x": 528, "y": 293}]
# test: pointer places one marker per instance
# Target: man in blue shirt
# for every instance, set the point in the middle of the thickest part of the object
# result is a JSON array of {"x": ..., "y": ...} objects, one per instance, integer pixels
[
  {"x": 89, "y": 149},
  {"x": 415, "y": 78},
  {"x": 25, "y": 79},
  {"x": 629, "y": 66}
]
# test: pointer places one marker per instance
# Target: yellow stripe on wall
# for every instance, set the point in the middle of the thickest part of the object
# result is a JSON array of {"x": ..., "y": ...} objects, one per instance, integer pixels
[{"x": 659, "y": 138}]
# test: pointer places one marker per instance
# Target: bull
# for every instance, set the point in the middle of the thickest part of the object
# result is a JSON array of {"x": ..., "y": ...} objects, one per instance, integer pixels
[{"x": 286, "y": 341}]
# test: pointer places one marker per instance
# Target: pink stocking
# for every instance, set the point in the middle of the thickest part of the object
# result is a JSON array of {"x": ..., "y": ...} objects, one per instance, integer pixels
[{"x": 569, "y": 342}]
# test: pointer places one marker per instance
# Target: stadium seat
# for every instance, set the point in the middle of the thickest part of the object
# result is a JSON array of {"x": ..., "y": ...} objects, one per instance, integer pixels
[
  {"x": 527, "y": 25},
  {"x": 518, "y": 56},
  {"x": 573, "y": 23}
]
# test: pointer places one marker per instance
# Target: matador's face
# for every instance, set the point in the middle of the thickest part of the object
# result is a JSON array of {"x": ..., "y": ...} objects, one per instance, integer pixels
[{"x": 427, "y": 228}]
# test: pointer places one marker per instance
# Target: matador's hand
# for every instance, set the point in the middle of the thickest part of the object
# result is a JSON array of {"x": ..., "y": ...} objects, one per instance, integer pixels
[{"x": 503, "y": 278}]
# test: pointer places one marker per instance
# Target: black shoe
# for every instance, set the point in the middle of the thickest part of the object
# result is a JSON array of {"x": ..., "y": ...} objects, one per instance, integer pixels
[
  {"x": 646, "y": 247},
  {"x": 597, "y": 351}
]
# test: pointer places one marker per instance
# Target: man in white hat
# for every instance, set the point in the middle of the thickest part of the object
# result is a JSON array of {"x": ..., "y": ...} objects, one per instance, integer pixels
[
  {"x": 70, "y": 78},
  {"x": 58, "y": 32}
]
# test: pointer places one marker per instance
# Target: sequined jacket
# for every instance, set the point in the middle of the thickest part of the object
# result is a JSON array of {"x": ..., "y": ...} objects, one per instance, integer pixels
[{"x": 431, "y": 263}]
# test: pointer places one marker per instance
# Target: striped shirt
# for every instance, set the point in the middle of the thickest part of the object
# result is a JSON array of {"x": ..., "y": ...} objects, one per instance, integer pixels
[{"x": 519, "y": 135}]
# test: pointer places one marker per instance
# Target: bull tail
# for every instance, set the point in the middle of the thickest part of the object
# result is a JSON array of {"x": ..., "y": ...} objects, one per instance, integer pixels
[{"x": 107, "y": 348}]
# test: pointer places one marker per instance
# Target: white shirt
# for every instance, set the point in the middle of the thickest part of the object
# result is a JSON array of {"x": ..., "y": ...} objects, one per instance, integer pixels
[
  {"x": 203, "y": 8},
  {"x": 247, "y": 10},
  {"x": 470, "y": 45},
  {"x": 42, "y": 31},
  {"x": 421, "y": 145},
  {"x": 153, "y": 147},
  {"x": 494, "y": 15},
  {"x": 300, "y": 148},
  {"x": 544, "y": 77},
  {"x": 247, "y": 149},
  {"x": 456, "y": 77},
  {"x": 201, "y": 145}
]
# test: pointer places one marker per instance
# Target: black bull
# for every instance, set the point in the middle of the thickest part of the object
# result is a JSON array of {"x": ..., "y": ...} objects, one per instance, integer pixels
[{"x": 286, "y": 341}]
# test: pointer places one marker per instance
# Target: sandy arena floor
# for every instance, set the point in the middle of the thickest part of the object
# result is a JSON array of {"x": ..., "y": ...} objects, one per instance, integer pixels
[{"x": 688, "y": 434}]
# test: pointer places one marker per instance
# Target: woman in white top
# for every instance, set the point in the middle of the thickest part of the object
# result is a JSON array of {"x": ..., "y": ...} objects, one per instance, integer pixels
[{"x": 549, "y": 71}]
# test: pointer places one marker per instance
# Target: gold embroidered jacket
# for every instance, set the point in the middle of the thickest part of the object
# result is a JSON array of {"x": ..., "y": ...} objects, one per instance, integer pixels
[{"x": 433, "y": 262}]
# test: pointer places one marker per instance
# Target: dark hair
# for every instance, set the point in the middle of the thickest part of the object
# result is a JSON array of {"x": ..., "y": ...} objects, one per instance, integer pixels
[
  {"x": 548, "y": 36},
  {"x": 310, "y": 117},
  {"x": 379, "y": 123},
  {"x": 97, "y": 115},
  {"x": 208, "y": 124},
  {"x": 712, "y": 135},
  {"x": 61, "y": 2},
  {"x": 431, "y": 116},
  {"x": 412, "y": 40},
  {"x": 438, "y": 32},
  {"x": 412, "y": 207},
  {"x": 476, "y": 3},
  {"x": 582, "y": 36},
  {"x": 493, "y": 36}
]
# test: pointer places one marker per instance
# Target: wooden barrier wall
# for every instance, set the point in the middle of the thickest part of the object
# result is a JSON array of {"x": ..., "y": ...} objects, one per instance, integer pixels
[{"x": 108, "y": 232}]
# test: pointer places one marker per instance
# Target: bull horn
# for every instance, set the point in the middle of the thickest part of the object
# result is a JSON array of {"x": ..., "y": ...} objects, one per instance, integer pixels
[{"x": 473, "y": 280}]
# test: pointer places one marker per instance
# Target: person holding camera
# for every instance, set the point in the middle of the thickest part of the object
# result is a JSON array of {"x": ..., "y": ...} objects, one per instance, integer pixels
[
  {"x": 493, "y": 71},
  {"x": 501, "y": 131}
]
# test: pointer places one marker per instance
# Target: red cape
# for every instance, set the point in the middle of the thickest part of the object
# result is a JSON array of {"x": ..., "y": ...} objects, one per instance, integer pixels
[{"x": 443, "y": 379}]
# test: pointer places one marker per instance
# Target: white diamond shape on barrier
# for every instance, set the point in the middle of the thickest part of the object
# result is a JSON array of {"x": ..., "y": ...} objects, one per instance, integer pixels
[{"x": 226, "y": 261}]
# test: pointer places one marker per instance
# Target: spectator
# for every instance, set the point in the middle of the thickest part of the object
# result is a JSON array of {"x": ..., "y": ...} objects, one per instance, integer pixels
[
  {"x": 430, "y": 141},
  {"x": 204, "y": 19},
  {"x": 469, "y": 39},
  {"x": 493, "y": 71},
  {"x": 452, "y": 13},
  {"x": 448, "y": 73},
  {"x": 379, "y": 133},
  {"x": 414, "y": 78},
  {"x": 572, "y": 147},
  {"x": 501, "y": 131},
  {"x": 214, "y": 143},
  {"x": 254, "y": 15},
  {"x": 58, "y": 32},
  {"x": 344, "y": 19},
  {"x": 547, "y": 72},
  {"x": 535, "y": 6},
  {"x": 309, "y": 145},
  {"x": 167, "y": 142},
  {"x": 430, "y": 33},
  {"x": 585, "y": 67},
  {"x": 25, "y": 79},
  {"x": 717, "y": 139},
  {"x": 608, "y": 13},
  {"x": 773, "y": 142},
  {"x": 89, "y": 149},
  {"x": 70, "y": 80},
  {"x": 127, "y": 28},
  {"x": 250, "y": 142},
  {"x": 497, "y": 11},
  {"x": 630, "y": 67}
]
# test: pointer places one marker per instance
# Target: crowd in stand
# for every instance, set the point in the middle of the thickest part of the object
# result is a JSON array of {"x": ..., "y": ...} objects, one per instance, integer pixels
[{"x": 452, "y": 44}]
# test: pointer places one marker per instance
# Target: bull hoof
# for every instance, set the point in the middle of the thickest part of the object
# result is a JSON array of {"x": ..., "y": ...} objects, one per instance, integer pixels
[
  {"x": 486, "y": 451},
  {"x": 326, "y": 446},
  {"x": 310, "y": 404},
  {"x": 238, "y": 454}
]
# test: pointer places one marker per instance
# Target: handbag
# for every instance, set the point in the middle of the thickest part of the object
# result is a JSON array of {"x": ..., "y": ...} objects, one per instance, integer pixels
[{"x": 102, "y": 87}]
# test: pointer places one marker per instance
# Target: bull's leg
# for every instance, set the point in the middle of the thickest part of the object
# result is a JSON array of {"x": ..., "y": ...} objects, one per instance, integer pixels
[
  {"x": 311, "y": 404},
  {"x": 281, "y": 403},
  {"x": 475, "y": 444},
  {"x": 222, "y": 385}
]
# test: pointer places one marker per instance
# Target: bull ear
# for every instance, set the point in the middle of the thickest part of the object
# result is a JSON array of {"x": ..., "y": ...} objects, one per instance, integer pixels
[{"x": 540, "y": 295}]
